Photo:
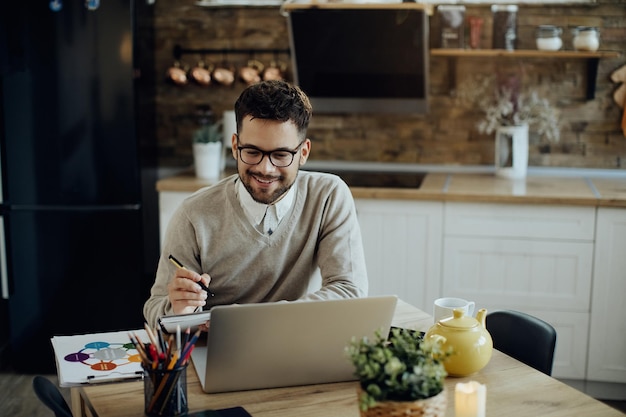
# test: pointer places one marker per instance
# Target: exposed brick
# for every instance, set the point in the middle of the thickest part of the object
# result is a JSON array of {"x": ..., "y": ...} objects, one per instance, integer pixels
[{"x": 591, "y": 136}]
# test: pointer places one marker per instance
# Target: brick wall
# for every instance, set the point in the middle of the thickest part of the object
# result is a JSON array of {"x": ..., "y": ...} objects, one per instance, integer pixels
[{"x": 591, "y": 136}]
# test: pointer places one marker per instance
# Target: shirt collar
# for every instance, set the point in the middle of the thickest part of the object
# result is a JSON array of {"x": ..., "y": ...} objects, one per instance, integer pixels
[{"x": 255, "y": 210}]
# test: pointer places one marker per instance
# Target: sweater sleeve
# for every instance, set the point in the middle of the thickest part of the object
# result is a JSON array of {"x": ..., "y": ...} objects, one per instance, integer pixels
[
  {"x": 340, "y": 254},
  {"x": 158, "y": 304},
  {"x": 177, "y": 241}
]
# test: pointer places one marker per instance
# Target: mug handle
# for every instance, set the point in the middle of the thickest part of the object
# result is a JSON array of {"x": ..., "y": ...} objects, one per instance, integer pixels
[{"x": 470, "y": 308}]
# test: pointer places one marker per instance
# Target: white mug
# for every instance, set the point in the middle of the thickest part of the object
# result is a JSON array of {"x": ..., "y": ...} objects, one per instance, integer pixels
[{"x": 443, "y": 307}]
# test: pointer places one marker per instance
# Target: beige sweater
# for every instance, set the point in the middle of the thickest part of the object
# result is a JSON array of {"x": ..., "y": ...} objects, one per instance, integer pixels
[{"x": 210, "y": 233}]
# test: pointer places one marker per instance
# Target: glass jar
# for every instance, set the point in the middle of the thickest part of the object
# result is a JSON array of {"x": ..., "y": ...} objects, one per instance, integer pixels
[
  {"x": 548, "y": 38},
  {"x": 452, "y": 19},
  {"x": 504, "y": 26},
  {"x": 586, "y": 38}
]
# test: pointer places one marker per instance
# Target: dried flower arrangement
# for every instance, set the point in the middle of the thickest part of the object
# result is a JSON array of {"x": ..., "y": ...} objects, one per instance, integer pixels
[{"x": 505, "y": 103}]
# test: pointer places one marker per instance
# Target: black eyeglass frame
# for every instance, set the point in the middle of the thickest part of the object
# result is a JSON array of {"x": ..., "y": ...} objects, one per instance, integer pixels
[{"x": 269, "y": 153}]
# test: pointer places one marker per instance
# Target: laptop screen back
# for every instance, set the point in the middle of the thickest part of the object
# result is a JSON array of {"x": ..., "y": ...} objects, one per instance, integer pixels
[{"x": 267, "y": 345}]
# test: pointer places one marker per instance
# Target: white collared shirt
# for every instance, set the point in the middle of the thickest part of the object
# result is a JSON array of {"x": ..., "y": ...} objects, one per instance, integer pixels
[{"x": 255, "y": 211}]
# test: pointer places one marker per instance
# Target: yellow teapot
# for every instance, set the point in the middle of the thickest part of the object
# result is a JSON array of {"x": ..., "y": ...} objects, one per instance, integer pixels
[{"x": 469, "y": 339}]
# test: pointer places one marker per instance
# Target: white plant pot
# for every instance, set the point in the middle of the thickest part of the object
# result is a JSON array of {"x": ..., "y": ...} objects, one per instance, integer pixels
[
  {"x": 208, "y": 159},
  {"x": 512, "y": 151}
]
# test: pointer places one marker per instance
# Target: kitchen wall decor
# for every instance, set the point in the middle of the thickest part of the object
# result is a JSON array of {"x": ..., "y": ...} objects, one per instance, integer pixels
[{"x": 223, "y": 72}]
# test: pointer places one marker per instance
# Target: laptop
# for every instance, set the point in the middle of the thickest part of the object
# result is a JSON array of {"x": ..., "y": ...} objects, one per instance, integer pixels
[{"x": 269, "y": 345}]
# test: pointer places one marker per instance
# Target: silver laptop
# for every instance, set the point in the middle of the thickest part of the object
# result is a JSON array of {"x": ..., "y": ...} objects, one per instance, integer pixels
[{"x": 269, "y": 345}]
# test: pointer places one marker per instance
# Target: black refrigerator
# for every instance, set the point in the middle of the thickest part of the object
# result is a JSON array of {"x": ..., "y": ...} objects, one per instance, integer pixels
[{"x": 73, "y": 220}]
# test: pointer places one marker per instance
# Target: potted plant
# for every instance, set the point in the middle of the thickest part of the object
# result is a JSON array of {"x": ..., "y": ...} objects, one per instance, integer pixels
[
  {"x": 402, "y": 375},
  {"x": 207, "y": 145},
  {"x": 511, "y": 112}
]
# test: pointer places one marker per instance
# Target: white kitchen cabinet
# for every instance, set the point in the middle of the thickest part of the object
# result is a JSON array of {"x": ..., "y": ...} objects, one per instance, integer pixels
[
  {"x": 607, "y": 335},
  {"x": 168, "y": 203},
  {"x": 402, "y": 243},
  {"x": 532, "y": 258}
]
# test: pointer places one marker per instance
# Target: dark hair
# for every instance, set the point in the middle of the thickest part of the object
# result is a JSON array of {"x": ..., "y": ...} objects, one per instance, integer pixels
[{"x": 275, "y": 100}]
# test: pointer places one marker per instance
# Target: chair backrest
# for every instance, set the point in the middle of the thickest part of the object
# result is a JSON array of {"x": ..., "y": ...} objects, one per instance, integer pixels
[
  {"x": 50, "y": 395},
  {"x": 523, "y": 337}
]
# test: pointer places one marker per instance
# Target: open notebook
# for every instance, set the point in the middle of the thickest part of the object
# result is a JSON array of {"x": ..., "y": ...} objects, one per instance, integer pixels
[{"x": 283, "y": 344}]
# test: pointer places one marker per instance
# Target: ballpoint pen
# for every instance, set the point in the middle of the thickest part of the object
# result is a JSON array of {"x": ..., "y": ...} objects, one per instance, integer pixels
[{"x": 200, "y": 283}]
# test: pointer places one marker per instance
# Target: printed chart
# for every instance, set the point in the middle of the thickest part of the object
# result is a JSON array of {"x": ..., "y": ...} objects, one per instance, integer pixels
[{"x": 98, "y": 357}]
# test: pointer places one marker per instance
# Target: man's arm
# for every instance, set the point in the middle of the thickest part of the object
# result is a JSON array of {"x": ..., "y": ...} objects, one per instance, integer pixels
[{"x": 340, "y": 255}]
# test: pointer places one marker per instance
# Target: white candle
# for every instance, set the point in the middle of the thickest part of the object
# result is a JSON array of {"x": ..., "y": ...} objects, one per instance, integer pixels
[{"x": 470, "y": 399}]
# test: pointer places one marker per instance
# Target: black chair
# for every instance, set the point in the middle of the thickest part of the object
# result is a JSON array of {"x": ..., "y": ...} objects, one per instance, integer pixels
[
  {"x": 50, "y": 395},
  {"x": 523, "y": 337}
]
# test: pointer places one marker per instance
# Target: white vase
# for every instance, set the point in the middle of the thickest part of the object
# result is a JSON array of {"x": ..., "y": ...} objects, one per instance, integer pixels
[
  {"x": 208, "y": 159},
  {"x": 512, "y": 151}
]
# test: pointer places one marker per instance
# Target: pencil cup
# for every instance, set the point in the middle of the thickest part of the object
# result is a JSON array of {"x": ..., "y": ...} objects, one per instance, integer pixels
[{"x": 165, "y": 391}]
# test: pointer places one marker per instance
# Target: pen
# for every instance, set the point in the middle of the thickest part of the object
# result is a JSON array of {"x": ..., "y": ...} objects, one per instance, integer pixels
[
  {"x": 200, "y": 283},
  {"x": 123, "y": 376}
]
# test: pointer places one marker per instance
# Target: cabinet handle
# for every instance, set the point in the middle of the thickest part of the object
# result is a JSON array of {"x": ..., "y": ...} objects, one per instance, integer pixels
[{"x": 4, "y": 276}]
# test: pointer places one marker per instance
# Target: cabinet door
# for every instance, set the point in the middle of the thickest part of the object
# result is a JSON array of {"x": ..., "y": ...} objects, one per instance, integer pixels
[
  {"x": 520, "y": 221},
  {"x": 516, "y": 273},
  {"x": 402, "y": 243},
  {"x": 550, "y": 280},
  {"x": 535, "y": 259},
  {"x": 607, "y": 342},
  {"x": 168, "y": 203}
]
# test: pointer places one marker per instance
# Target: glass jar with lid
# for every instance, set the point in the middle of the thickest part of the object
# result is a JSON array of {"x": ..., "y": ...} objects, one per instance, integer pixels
[
  {"x": 586, "y": 38},
  {"x": 452, "y": 20},
  {"x": 548, "y": 38},
  {"x": 504, "y": 26}
]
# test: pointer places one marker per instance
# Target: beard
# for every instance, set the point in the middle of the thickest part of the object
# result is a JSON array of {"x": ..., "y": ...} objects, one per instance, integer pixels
[{"x": 266, "y": 196}]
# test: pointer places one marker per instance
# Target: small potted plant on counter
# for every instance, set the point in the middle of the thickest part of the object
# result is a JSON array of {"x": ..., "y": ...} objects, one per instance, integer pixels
[
  {"x": 207, "y": 145},
  {"x": 400, "y": 376}
]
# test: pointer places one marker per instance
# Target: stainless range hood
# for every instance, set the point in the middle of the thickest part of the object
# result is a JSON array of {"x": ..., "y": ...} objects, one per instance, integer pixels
[{"x": 360, "y": 57}]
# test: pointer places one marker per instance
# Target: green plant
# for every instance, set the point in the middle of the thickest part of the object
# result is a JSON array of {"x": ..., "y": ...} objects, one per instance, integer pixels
[
  {"x": 208, "y": 133},
  {"x": 403, "y": 368}
]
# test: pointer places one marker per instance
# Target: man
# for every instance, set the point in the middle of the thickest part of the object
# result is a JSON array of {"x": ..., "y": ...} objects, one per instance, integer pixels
[{"x": 267, "y": 232}]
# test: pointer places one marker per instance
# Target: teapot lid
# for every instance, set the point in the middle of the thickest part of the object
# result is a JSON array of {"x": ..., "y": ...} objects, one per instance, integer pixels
[{"x": 459, "y": 320}]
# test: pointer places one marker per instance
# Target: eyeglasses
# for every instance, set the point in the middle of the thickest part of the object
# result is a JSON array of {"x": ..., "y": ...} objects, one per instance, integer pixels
[{"x": 280, "y": 158}]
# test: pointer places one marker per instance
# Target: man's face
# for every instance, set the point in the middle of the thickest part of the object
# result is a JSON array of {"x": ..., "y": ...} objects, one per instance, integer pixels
[{"x": 266, "y": 182}]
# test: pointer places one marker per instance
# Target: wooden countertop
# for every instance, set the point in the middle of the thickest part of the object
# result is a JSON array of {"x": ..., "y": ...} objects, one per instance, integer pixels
[{"x": 485, "y": 188}]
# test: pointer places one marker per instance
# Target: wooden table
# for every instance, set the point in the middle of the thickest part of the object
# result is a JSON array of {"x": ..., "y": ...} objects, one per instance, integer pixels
[{"x": 513, "y": 389}]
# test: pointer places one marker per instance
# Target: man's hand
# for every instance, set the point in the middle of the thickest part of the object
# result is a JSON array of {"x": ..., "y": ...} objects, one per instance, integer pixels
[{"x": 184, "y": 292}]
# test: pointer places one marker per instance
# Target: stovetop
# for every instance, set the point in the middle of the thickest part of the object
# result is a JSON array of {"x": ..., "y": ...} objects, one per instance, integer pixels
[{"x": 369, "y": 179}]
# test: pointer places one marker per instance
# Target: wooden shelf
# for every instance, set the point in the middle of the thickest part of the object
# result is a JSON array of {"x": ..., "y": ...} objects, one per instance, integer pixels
[
  {"x": 593, "y": 59},
  {"x": 428, "y": 8},
  {"x": 521, "y": 53}
]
